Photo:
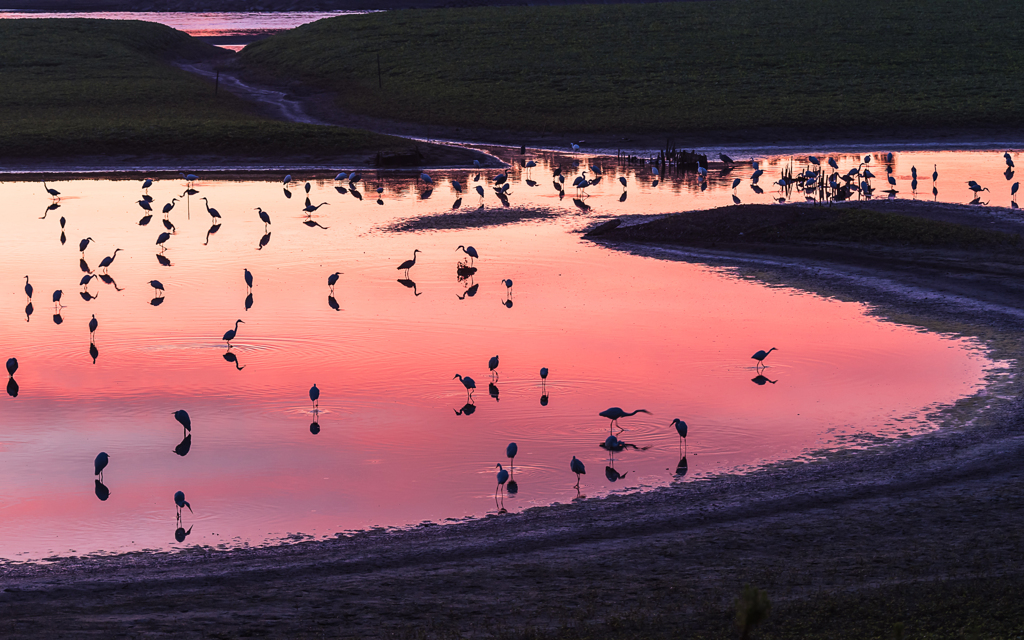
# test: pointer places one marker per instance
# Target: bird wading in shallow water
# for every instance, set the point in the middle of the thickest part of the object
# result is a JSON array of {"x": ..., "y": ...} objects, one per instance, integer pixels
[
  {"x": 761, "y": 355},
  {"x": 614, "y": 413}
]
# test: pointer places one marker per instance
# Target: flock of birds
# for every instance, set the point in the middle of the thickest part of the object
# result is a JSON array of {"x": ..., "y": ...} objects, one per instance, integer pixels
[{"x": 831, "y": 184}]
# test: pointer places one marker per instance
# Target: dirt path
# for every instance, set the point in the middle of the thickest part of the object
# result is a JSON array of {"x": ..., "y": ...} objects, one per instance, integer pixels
[{"x": 938, "y": 509}]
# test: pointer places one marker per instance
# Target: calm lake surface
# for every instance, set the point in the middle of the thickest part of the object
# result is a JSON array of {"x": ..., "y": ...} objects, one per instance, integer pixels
[{"x": 397, "y": 444}]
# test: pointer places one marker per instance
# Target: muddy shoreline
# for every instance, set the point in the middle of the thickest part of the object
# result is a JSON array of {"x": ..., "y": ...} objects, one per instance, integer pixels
[{"x": 940, "y": 508}]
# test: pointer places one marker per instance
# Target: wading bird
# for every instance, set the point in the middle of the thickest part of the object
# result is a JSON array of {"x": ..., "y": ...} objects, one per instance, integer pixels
[
  {"x": 615, "y": 413},
  {"x": 510, "y": 452},
  {"x": 210, "y": 210},
  {"x": 577, "y": 467},
  {"x": 469, "y": 251},
  {"x": 761, "y": 355},
  {"x": 333, "y": 280},
  {"x": 408, "y": 264},
  {"x": 28, "y": 288},
  {"x": 83, "y": 244},
  {"x": 156, "y": 284},
  {"x": 93, "y": 325},
  {"x": 309, "y": 208},
  {"x": 265, "y": 217},
  {"x": 12, "y": 366},
  {"x": 181, "y": 503},
  {"x": 680, "y": 429},
  {"x": 467, "y": 382},
  {"x": 492, "y": 364},
  {"x": 182, "y": 416},
  {"x": 502, "y": 479},
  {"x": 100, "y": 464},
  {"x": 314, "y": 396},
  {"x": 109, "y": 260},
  {"x": 248, "y": 278},
  {"x": 508, "y": 284},
  {"x": 53, "y": 192},
  {"x": 229, "y": 335}
]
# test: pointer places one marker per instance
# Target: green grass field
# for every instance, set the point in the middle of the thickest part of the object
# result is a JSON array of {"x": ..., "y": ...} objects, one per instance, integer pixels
[
  {"x": 97, "y": 87},
  {"x": 803, "y": 66}
]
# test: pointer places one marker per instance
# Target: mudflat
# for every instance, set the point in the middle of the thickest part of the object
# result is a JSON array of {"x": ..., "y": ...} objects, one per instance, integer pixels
[{"x": 922, "y": 531}]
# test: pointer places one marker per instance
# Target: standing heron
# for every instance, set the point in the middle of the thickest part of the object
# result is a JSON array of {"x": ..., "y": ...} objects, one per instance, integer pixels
[
  {"x": 57, "y": 295},
  {"x": 469, "y": 251},
  {"x": 309, "y": 208},
  {"x": 508, "y": 285},
  {"x": 93, "y": 325},
  {"x": 100, "y": 464},
  {"x": 510, "y": 452},
  {"x": 265, "y": 217},
  {"x": 1009, "y": 160},
  {"x": 230, "y": 334},
  {"x": 28, "y": 289},
  {"x": 156, "y": 284},
  {"x": 210, "y": 210},
  {"x": 680, "y": 428},
  {"x": 492, "y": 364},
  {"x": 12, "y": 366},
  {"x": 726, "y": 159},
  {"x": 314, "y": 396},
  {"x": 146, "y": 184},
  {"x": 83, "y": 244},
  {"x": 333, "y": 280},
  {"x": 248, "y": 278},
  {"x": 182, "y": 416},
  {"x": 181, "y": 503},
  {"x": 502, "y": 479},
  {"x": 544, "y": 374},
  {"x": 467, "y": 382},
  {"x": 109, "y": 260},
  {"x": 761, "y": 355},
  {"x": 425, "y": 177},
  {"x": 614, "y": 413},
  {"x": 408, "y": 264},
  {"x": 576, "y": 466},
  {"x": 53, "y": 192}
]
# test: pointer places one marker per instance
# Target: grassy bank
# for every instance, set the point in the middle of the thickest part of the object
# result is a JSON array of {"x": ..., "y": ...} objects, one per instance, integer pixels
[
  {"x": 790, "y": 224},
  {"x": 98, "y": 87},
  {"x": 802, "y": 66}
]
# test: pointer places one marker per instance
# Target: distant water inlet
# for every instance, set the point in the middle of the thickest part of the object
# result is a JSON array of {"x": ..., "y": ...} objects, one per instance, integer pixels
[{"x": 322, "y": 358}]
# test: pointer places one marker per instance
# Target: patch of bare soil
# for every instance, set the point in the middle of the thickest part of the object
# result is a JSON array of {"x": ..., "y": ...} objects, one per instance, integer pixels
[
  {"x": 474, "y": 218},
  {"x": 940, "y": 511}
]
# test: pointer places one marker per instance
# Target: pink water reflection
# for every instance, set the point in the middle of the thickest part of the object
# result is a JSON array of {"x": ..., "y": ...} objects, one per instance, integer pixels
[{"x": 613, "y": 329}]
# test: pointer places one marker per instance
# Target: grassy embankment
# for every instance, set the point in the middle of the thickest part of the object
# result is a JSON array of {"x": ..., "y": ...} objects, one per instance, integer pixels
[
  {"x": 794, "y": 225},
  {"x": 97, "y": 87},
  {"x": 801, "y": 67}
]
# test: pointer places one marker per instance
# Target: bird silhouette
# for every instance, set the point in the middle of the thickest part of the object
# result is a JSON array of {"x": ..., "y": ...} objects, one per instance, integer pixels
[
  {"x": 510, "y": 452},
  {"x": 502, "y": 479},
  {"x": 265, "y": 217},
  {"x": 181, "y": 503},
  {"x": 409, "y": 264},
  {"x": 248, "y": 278},
  {"x": 210, "y": 210},
  {"x": 102, "y": 492},
  {"x": 12, "y": 366},
  {"x": 229, "y": 335},
  {"x": 469, "y": 251},
  {"x": 467, "y": 382},
  {"x": 83, "y": 244},
  {"x": 309, "y": 208},
  {"x": 681, "y": 429},
  {"x": 182, "y": 416},
  {"x": 28, "y": 288},
  {"x": 492, "y": 364},
  {"x": 614, "y": 413},
  {"x": 102, "y": 459},
  {"x": 184, "y": 446},
  {"x": 93, "y": 324},
  {"x": 333, "y": 280},
  {"x": 314, "y": 395},
  {"x": 576, "y": 466},
  {"x": 109, "y": 260},
  {"x": 761, "y": 355},
  {"x": 53, "y": 192}
]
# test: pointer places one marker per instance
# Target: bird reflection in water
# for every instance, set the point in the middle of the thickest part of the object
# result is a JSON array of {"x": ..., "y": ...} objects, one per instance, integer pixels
[
  {"x": 102, "y": 492},
  {"x": 88, "y": 296},
  {"x": 264, "y": 241},
  {"x": 470, "y": 292},
  {"x": 761, "y": 380},
  {"x": 144, "y": 220},
  {"x": 467, "y": 409},
  {"x": 314, "y": 427},
  {"x": 28, "y": 311},
  {"x": 457, "y": 203},
  {"x": 248, "y": 301},
  {"x": 163, "y": 260},
  {"x": 107, "y": 279},
  {"x": 492, "y": 389},
  {"x": 57, "y": 318},
  {"x": 93, "y": 352},
  {"x": 614, "y": 445},
  {"x": 233, "y": 359},
  {"x": 682, "y": 468},
  {"x": 612, "y": 474},
  {"x": 332, "y": 302},
  {"x": 180, "y": 534},
  {"x": 313, "y": 223},
  {"x": 51, "y": 207},
  {"x": 84, "y": 266},
  {"x": 214, "y": 228},
  {"x": 405, "y": 282},
  {"x": 12, "y": 386},
  {"x": 184, "y": 446}
]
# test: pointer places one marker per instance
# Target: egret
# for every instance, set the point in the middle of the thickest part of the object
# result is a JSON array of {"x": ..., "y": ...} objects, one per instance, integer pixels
[
  {"x": 469, "y": 251},
  {"x": 333, "y": 280},
  {"x": 975, "y": 187},
  {"x": 622, "y": 181},
  {"x": 190, "y": 178},
  {"x": 53, "y": 192},
  {"x": 314, "y": 396},
  {"x": 426, "y": 178},
  {"x": 354, "y": 178},
  {"x": 510, "y": 452},
  {"x": 408, "y": 264},
  {"x": 479, "y": 190},
  {"x": 309, "y": 208},
  {"x": 754, "y": 177},
  {"x": 57, "y": 295},
  {"x": 248, "y": 278},
  {"x": 680, "y": 428},
  {"x": 28, "y": 288},
  {"x": 287, "y": 179},
  {"x": 1014, "y": 189},
  {"x": 213, "y": 212},
  {"x": 832, "y": 163},
  {"x": 492, "y": 364},
  {"x": 761, "y": 355},
  {"x": 100, "y": 464},
  {"x": 83, "y": 244},
  {"x": 543, "y": 373},
  {"x": 162, "y": 238},
  {"x": 577, "y": 467},
  {"x": 500, "y": 178},
  {"x": 12, "y": 366},
  {"x": 182, "y": 416},
  {"x": 106, "y": 262},
  {"x": 456, "y": 186},
  {"x": 156, "y": 284},
  {"x": 727, "y": 160},
  {"x": 814, "y": 159},
  {"x": 467, "y": 382},
  {"x": 735, "y": 182},
  {"x": 147, "y": 183},
  {"x": 1009, "y": 160},
  {"x": 93, "y": 324},
  {"x": 145, "y": 205},
  {"x": 615, "y": 413},
  {"x": 508, "y": 284},
  {"x": 913, "y": 172},
  {"x": 935, "y": 173},
  {"x": 654, "y": 170},
  {"x": 502, "y": 479},
  {"x": 229, "y": 335},
  {"x": 892, "y": 180},
  {"x": 180, "y": 502},
  {"x": 265, "y": 217}
]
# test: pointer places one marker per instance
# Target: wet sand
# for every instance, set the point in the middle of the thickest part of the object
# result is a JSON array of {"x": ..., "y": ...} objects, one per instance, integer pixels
[{"x": 903, "y": 516}]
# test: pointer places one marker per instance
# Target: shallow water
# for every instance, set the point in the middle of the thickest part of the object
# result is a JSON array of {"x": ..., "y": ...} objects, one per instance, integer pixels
[{"x": 614, "y": 329}]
